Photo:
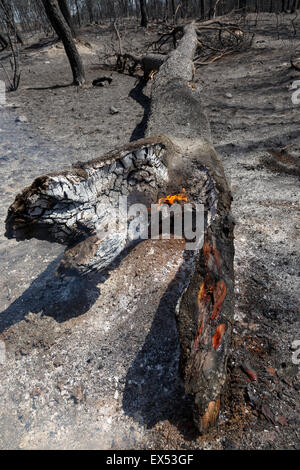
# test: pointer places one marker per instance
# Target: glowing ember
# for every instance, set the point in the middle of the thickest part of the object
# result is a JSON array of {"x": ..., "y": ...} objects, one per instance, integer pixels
[
  {"x": 171, "y": 199},
  {"x": 217, "y": 337}
]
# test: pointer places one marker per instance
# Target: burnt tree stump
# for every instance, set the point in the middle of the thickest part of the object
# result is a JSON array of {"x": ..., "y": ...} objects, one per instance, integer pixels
[{"x": 71, "y": 206}]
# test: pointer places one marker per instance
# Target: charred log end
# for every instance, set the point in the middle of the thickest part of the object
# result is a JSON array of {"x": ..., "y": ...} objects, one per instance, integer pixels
[
  {"x": 18, "y": 224},
  {"x": 72, "y": 206}
]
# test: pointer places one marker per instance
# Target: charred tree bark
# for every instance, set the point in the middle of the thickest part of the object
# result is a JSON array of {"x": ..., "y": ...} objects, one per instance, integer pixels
[
  {"x": 89, "y": 5},
  {"x": 144, "y": 16},
  {"x": 73, "y": 206},
  {"x": 13, "y": 38},
  {"x": 64, "y": 33},
  {"x": 3, "y": 41},
  {"x": 67, "y": 16},
  {"x": 78, "y": 13},
  {"x": 173, "y": 7},
  {"x": 6, "y": 7}
]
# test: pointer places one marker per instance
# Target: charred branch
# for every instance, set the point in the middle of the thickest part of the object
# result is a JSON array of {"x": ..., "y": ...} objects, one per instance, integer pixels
[
  {"x": 218, "y": 39},
  {"x": 3, "y": 41},
  {"x": 148, "y": 63}
]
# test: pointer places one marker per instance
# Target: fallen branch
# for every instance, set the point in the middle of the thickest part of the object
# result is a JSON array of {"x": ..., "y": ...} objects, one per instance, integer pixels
[
  {"x": 213, "y": 59},
  {"x": 221, "y": 38},
  {"x": 165, "y": 37}
]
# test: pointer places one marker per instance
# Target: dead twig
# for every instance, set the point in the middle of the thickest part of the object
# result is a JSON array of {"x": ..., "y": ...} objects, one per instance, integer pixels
[
  {"x": 220, "y": 37},
  {"x": 165, "y": 37},
  {"x": 119, "y": 38},
  {"x": 176, "y": 11},
  {"x": 213, "y": 59}
]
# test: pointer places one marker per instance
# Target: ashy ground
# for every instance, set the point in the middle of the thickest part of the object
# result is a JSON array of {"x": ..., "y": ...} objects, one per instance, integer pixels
[{"x": 93, "y": 364}]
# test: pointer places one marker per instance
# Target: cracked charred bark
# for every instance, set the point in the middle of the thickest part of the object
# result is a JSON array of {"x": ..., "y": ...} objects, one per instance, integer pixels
[{"x": 71, "y": 206}]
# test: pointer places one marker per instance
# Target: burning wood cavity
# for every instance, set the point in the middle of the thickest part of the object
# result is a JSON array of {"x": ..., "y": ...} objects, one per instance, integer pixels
[{"x": 175, "y": 165}]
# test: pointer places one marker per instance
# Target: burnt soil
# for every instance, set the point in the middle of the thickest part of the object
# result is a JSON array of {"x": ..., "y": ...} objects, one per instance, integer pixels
[{"x": 94, "y": 363}]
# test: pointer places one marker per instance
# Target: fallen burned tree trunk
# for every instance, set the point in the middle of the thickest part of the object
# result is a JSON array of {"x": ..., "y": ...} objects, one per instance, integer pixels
[
  {"x": 205, "y": 310},
  {"x": 73, "y": 207}
]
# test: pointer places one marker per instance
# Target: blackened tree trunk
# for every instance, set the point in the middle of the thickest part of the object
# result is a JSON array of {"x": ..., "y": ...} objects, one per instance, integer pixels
[
  {"x": 78, "y": 13},
  {"x": 166, "y": 13},
  {"x": 67, "y": 16},
  {"x": 173, "y": 7},
  {"x": 6, "y": 7},
  {"x": 295, "y": 6},
  {"x": 89, "y": 5},
  {"x": 13, "y": 38},
  {"x": 3, "y": 41},
  {"x": 62, "y": 29},
  {"x": 184, "y": 8},
  {"x": 202, "y": 8},
  {"x": 144, "y": 17}
]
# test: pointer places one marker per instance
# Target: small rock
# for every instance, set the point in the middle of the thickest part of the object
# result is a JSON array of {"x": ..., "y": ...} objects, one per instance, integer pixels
[
  {"x": 102, "y": 81},
  {"x": 21, "y": 118},
  {"x": 228, "y": 95},
  {"x": 113, "y": 110}
]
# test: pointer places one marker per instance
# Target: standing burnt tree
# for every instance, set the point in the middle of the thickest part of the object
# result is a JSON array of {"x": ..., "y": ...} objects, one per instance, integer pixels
[
  {"x": 9, "y": 19},
  {"x": 144, "y": 18},
  {"x": 67, "y": 15},
  {"x": 64, "y": 32},
  {"x": 13, "y": 38}
]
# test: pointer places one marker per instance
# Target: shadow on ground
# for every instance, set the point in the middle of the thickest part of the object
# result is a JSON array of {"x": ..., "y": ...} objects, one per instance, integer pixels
[
  {"x": 138, "y": 95},
  {"x": 154, "y": 391},
  {"x": 61, "y": 298}
]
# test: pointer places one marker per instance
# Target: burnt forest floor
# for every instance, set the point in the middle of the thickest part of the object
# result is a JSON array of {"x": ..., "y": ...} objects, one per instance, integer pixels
[{"x": 93, "y": 364}]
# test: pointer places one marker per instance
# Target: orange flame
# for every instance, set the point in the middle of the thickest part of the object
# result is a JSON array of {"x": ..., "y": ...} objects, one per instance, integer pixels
[{"x": 171, "y": 199}]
